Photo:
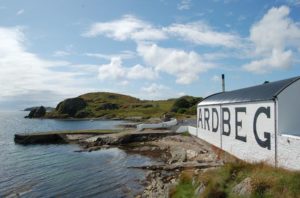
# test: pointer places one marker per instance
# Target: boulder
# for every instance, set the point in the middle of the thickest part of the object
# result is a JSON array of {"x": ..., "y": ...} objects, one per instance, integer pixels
[
  {"x": 71, "y": 106},
  {"x": 38, "y": 112},
  {"x": 191, "y": 154},
  {"x": 244, "y": 188},
  {"x": 177, "y": 154}
]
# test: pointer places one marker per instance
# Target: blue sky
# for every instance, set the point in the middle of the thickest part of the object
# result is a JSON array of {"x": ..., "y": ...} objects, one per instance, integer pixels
[{"x": 157, "y": 49}]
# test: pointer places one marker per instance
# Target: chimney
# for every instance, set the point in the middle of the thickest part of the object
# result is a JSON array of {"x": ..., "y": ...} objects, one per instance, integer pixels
[{"x": 223, "y": 83}]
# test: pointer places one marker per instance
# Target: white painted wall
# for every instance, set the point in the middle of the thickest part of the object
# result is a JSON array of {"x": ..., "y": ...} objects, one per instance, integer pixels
[
  {"x": 250, "y": 150},
  {"x": 289, "y": 110},
  {"x": 288, "y": 152},
  {"x": 205, "y": 134}
]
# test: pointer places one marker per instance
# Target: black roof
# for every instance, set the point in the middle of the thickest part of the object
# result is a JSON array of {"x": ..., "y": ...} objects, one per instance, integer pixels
[{"x": 263, "y": 92}]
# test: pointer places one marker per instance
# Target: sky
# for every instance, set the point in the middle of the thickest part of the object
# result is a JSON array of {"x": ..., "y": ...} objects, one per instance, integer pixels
[{"x": 158, "y": 49}]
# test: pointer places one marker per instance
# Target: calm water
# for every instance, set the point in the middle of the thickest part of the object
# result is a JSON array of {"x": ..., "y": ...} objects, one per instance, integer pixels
[{"x": 58, "y": 171}]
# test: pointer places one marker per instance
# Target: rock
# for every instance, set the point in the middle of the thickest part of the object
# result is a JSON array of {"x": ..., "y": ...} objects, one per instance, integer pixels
[
  {"x": 71, "y": 106},
  {"x": 177, "y": 154},
  {"x": 244, "y": 188},
  {"x": 197, "y": 171},
  {"x": 190, "y": 154},
  {"x": 37, "y": 112},
  {"x": 199, "y": 190}
]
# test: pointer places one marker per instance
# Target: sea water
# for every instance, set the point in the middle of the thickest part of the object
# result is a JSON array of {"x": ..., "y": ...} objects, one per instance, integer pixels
[{"x": 58, "y": 171}]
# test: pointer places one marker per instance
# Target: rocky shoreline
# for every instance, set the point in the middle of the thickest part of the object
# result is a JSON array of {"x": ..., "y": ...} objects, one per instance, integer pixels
[
  {"x": 177, "y": 153},
  {"x": 174, "y": 153}
]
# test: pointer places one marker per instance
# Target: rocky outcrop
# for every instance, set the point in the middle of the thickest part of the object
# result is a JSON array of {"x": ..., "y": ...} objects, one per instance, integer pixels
[
  {"x": 38, "y": 112},
  {"x": 39, "y": 139},
  {"x": 244, "y": 188},
  {"x": 124, "y": 138},
  {"x": 71, "y": 106}
]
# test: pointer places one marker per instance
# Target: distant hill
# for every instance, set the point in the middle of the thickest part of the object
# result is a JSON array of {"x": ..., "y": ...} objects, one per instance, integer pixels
[{"x": 118, "y": 106}]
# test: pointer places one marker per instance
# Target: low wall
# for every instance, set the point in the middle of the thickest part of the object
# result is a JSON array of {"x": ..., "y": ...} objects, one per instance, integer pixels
[
  {"x": 192, "y": 130},
  {"x": 157, "y": 126}
]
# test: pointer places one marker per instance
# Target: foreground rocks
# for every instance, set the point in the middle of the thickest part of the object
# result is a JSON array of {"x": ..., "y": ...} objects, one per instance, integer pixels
[
  {"x": 173, "y": 152},
  {"x": 176, "y": 154}
]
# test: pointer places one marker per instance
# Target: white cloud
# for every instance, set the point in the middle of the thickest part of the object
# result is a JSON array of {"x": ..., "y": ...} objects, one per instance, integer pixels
[
  {"x": 128, "y": 27},
  {"x": 202, "y": 34},
  {"x": 182, "y": 94},
  {"x": 275, "y": 37},
  {"x": 184, "y": 5},
  {"x": 131, "y": 28},
  {"x": 154, "y": 88},
  {"x": 186, "y": 66},
  {"x": 216, "y": 78},
  {"x": 277, "y": 60},
  {"x": 293, "y": 2},
  {"x": 156, "y": 91},
  {"x": 123, "y": 55},
  {"x": 141, "y": 72},
  {"x": 116, "y": 71},
  {"x": 20, "y": 12},
  {"x": 23, "y": 72},
  {"x": 61, "y": 53}
]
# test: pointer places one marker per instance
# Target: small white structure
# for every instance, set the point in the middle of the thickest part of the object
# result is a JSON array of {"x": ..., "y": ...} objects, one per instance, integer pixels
[
  {"x": 168, "y": 124},
  {"x": 260, "y": 123}
]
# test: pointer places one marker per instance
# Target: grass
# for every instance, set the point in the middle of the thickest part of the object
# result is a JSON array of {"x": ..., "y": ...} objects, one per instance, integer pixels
[
  {"x": 266, "y": 181},
  {"x": 185, "y": 187},
  {"x": 186, "y": 133},
  {"x": 126, "y": 107}
]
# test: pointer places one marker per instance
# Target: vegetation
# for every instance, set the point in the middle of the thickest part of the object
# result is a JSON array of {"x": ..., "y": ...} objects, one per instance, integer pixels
[
  {"x": 185, "y": 187},
  {"x": 266, "y": 181},
  {"x": 186, "y": 105},
  {"x": 112, "y": 105},
  {"x": 186, "y": 133}
]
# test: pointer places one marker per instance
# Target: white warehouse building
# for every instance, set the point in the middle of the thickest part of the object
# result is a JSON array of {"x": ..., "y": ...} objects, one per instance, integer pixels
[{"x": 260, "y": 123}]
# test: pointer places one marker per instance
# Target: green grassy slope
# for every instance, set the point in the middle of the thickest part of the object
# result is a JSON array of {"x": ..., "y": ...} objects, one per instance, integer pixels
[{"x": 113, "y": 105}]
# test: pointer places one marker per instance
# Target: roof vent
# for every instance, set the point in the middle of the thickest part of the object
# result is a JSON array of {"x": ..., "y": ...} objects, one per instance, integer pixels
[{"x": 223, "y": 83}]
